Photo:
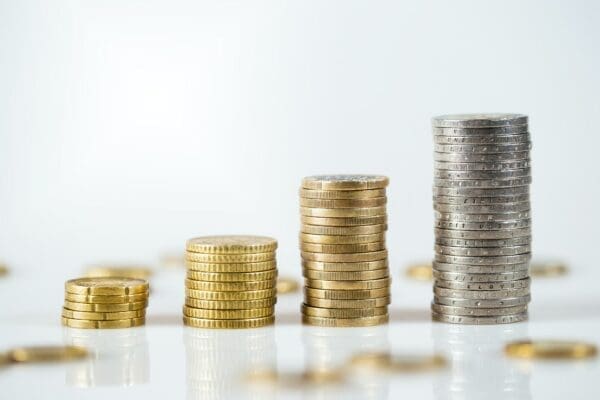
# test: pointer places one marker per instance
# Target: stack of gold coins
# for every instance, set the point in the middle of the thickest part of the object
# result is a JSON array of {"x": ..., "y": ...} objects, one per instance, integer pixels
[
  {"x": 344, "y": 256},
  {"x": 230, "y": 282},
  {"x": 105, "y": 303}
]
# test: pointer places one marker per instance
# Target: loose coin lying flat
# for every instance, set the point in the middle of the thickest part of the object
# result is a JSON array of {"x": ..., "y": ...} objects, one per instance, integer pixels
[
  {"x": 386, "y": 362},
  {"x": 549, "y": 269},
  {"x": 228, "y": 323},
  {"x": 230, "y": 304},
  {"x": 345, "y": 182},
  {"x": 287, "y": 285},
  {"x": 421, "y": 272},
  {"x": 348, "y": 285},
  {"x": 551, "y": 349},
  {"x": 342, "y": 312},
  {"x": 233, "y": 295},
  {"x": 106, "y": 286},
  {"x": 232, "y": 276},
  {"x": 342, "y": 194},
  {"x": 228, "y": 314},
  {"x": 114, "y": 307},
  {"x": 83, "y": 324},
  {"x": 231, "y": 244},
  {"x": 458, "y": 319},
  {"x": 35, "y": 354},
  {"x": 230, "y": 267},
  {"x": 345, "y": 266},
  {"x": 345, "y": 322}
]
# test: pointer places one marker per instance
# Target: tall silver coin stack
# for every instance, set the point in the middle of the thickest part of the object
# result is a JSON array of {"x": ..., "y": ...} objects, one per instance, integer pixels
[{"x": 482, "y": 218}]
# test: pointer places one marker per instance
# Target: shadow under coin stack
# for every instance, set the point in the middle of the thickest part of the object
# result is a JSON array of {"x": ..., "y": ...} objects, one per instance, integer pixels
[
  {"x": 344, "y": 256},
  {"x": 483, "y": 223},
  {"x": 105, "y": 303},
  {"x": 230, "y": 282}
]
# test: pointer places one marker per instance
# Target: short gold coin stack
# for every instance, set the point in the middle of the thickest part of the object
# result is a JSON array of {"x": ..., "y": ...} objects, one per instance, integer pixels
[
  {"x": 97, "y": 303},
  {"x": 344, "y": 256},
  {"x": 230, "y": 282}
]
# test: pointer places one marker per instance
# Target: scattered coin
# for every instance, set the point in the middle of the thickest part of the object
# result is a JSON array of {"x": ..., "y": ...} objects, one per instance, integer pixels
[
  {"x": 551, "y": 349},
  {"x": 420, "y": 271},
  {"x": 35, "y": 354},
  {"x": 3, "y": 270},
  {"x": 287, "y": 285},
  {"x": 386, "y": 362},
  {"x": 548, "y": 269}
]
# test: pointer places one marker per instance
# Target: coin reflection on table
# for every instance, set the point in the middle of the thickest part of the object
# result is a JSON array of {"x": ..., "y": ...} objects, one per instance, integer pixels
[{"x": 117, "y": 357}]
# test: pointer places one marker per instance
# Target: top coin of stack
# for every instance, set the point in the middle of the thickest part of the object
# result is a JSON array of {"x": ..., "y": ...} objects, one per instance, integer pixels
[
  {"x": 105, "y": 303},
  {"x": 230, "y": 282},
  {"x": 344, "y": 256},
  {"x": 482, "y": 218}
]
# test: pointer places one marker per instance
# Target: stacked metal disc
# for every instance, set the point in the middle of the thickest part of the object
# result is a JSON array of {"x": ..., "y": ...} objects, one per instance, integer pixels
[
  {"x": 230, "y": 282},
  {"x": 482, "y": 218},
  {"x": 344, "y": 256},
  {"x": 98, "y": 303}
]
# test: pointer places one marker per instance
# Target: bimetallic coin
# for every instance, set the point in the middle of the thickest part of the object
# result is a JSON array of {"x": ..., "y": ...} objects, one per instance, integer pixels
[
  {"x": 474, "y": 243},
  {"x": 386, "y": 362},
  {"x": 106, "y": 286},
  {"x": 348, "y": 285},
  {"x": 229, "y": 258},
  {"x": 346, "y": 275},
  {"x": 232, "y": 276},
  {"x": 548, "y": 269},
  {"x": 343, "y": 203},
  {"x": 343, "y": 230},
  {"x": 479, "y": 132},
  {"x": 345, "y": 182},
  {"x": 228, "y": 314},
  {"x": 345, "y": 322},
  {"x": 485, "y": 226},
  {"x": 497, "y": 260},
  {"x": 342, "y": 194},
  {"x": 481, "y": 166},
  {"x": 491, "y": 120},
  {"x": 346, "y": 294},
  {"x": 36, "y": 354},
  {"x": 343, "y": 212},
  {"x": 230, "y": 286},
  {"x": 496, "y": 217},
  {"x": 551, "y": 349},
  {"x": 481, "y": 183},
  {"x": 231, "y": 244},
  {"x": 343, "y": 312},
  {"x": 138, "y": 272},
  {"x": 472, "y": 175},
  {"x": 421, "y": 272},
  {"x": 287, "y": 285},
  {"x": 482, "y": 209},
  {"x": 233, "y": 295},
  {"x": 479, "y": 201},
  {"x": 342, "y": 221},
  {"x": 482, "y": 251},
  {"x": 481, "y": 158},
  {"x": 342, "y": 248},
  {"x": 230, "y": 304},
  {"x": 345, "y": 266},
  {"x": 505, "y": 302},
  {"x": 339, "y": 239},
  {"x": 231, "y": 268},
  {"x": 508, "y": 138},
  {"x": 486, "y": 286},
  {"x": 459, "y": 319},
  {"x": 474, "y": 192},
  {"x": 482, "y": 234},
  {"x": 71, "y": 305},
  {"x": 102, "y": 316},
  {"x": 345, "y": 257},
  {"x": 83, "y": 324},
  {"x": 481, "y": 269},
  {"x": 228, "y": 323},
  {"x": 462, "y": 277},
  {"x": 481, "y": 148},
  {"x": 481, "y": 294},
  {"x": 102, "y": 299},
  {"x": 364, "y": 303},
  {"x": 478, "y": 312}
]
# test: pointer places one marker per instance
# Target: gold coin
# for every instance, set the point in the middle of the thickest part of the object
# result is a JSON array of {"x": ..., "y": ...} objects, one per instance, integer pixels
[
  {"x": 228, "y": 323},
  {"x": 406, "y": 363},
  {"x": 238, "y": 295},
  {"x": 346, "y": 276},
  {"x": 339, "y": 239},
  {"x": 229, "y": 258},
  {"x": 342, "y": 222},
  {"x": 342, "y": 248},
  {"x": 103, "y": 316},
  {"x": 551, "y": 349},
  {"x": 46, "y": 354},
  {"x": 101, "y": 299},
  {"x": 549, "y": 269},
  {"x": 119, "y": 272},
  {"x": 343, "y": 203},
  {"x": 342, "y": 194},
  {"x": 3, "y": 270},
  {"x": 345, "y": 267},
  {"x": 287, "y": 285},
  {"x": 228, "y": 314},
  {"x": 308, "y": 378},
  {"x": 348, "y": 285},
  {"x": 5, "y": 359},
  {"x": 242, "y": 267},
  {"x": 347, "y": 257},
  {"x": 346, "y": 294},
  {"x": 345, "y": 182},
  {"x": 232, "y": 276},
  {"x": 365, "y": 303},
  {"x": 421, "y": 272},
  {"x": 83, "y": 324},
  {"x": 71, "y": 305},
  {"x": 231, "y": 244},
  {"x": 345, "y": 322},
  {"x": 343, "y": 230},
  {"x": 343, "y": 312},
  {"x": 106, "y": 286},
  {"x": 343, "y": 212},
  {"x": 230, "y": 304},
  {"x": 230, "y": 286}
]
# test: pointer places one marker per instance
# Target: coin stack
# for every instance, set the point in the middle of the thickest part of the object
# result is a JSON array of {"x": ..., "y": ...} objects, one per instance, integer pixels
[
  {"x": 344, "y": 256},
  {"x": 482, "y": 218},
  {"x": 230, "y": 282},
  {"x": 105, "y": 303}
]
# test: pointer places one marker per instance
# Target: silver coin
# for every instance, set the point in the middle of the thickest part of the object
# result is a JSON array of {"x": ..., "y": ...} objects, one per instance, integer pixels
[
  {"x": 481, "y": 294},
  {"x": 481, "y": 183},
  {"x": 483, "y": 120},
  {"x": 481, "y": 158},
  {"x": 480, "y": 269},
  {"x": 495, "y": 217},
  {"x": 482, "y": 209},
  {"x": 486, "y": 243},
  {"x": 484, "y": 226},
  {"x": 461, "y": 277},
  {"x": 482, "y": 251},
  {"x": 478, "y": 312},
  {"x": 481, "y": 235},
  {"x": 482, "y": 166},
  {"x": 481, "y": 148},
  {"x": 499, "y": 303},
  {"x": 485, "y": 286},
  {"x": 480, "y": 201},
  {"x": 493, "y": 260},
  {"x": 499, "y": 130},
  {"x": 475, "y": 192},
  {"x": 458, "y": 319},
  {"x": 469, "y": 175},
  {"x": 482, "y": 139}
]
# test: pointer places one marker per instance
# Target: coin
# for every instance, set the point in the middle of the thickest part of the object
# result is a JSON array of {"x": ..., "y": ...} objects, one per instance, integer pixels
[
  {"x": 232, "y": 276},
  {"x": 342, "y": 248},
  {"x": 228, "y": 323},
  {"x": 347, "y": 257},
  {"x": 343, "y": 212},
  {"x": 472, "y": 175},
  {"x": 421, "y": 271},
  {"x": 231, "y": 304},
  {"x": 363, "y": 303},
  {"x": 473, "y": 192},
  {"x": 345, "y": 322},
  {"x": 82, "y": 324},
  {"x": 106, "y": 286},
  {"x": 491, "y": 120},
  {"x": 34, "y": 354},
  {"x": 345, "y": 275},
  {"x": 138, "y": 272},
  {"x": 551, "y": 349},
  {"x": 3, "y": 270},
  {"x": 333, "y": 239},
  {"x": 475, "y": 286},
  {"x": 469, "y": 277},
  {"x": 482, "y": 234},
  {"x": 497, "y": 260},
  {"x": 102, "y": 316},
  {"x": 459, "y": 319},
  {"x": 478, "y": 132},
  {"x": 548, "y": 269},
  {"x": 485, "y": 226},
  {"x": 483, "y": 209},
  {"x": 482, "y": 166},
  {"x": 345, "y": 182},
  {"x": 228, "y": 314},
  {"x": 342, "y": 312},
  {"x": 346, "y": 294},
  {"x": 493, "y": 217},
  {"x": 481, "y": 269},
  {"x": 479, "y": 201},
  {"x": 233, "y": 295},
  {"x": 230, "y": 267},
  {"x": 231, "y": 244},
  {"x": 482, "y": 251},
  {"x": 229, "y": 258},
  {"x": 343, "y": 230},
  {"x": 342, "y": 221},
  {"x": 386, "y": 362},
  {"x": 345, "y": 266},
  {"x": 71, "y": 305},
  {"x": 102, "y": 299},
  {"x": 343, "y": 203},
  {"x": 504, "y": 138},
  {"x": 342, "y": 194},
  {"x": 479, "y": 312},
  {"x": 481, "y": 183},
  {"x": 287, "y": 285},
  {"x": 230, "y": 286},
  {"x": 481, "y": 158},
  {"x": 481, "y": 294},
  {"x": 481, "y": 148},
  {"x": 348, "y": 285},
  {"x": 504, "y": 302}
]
